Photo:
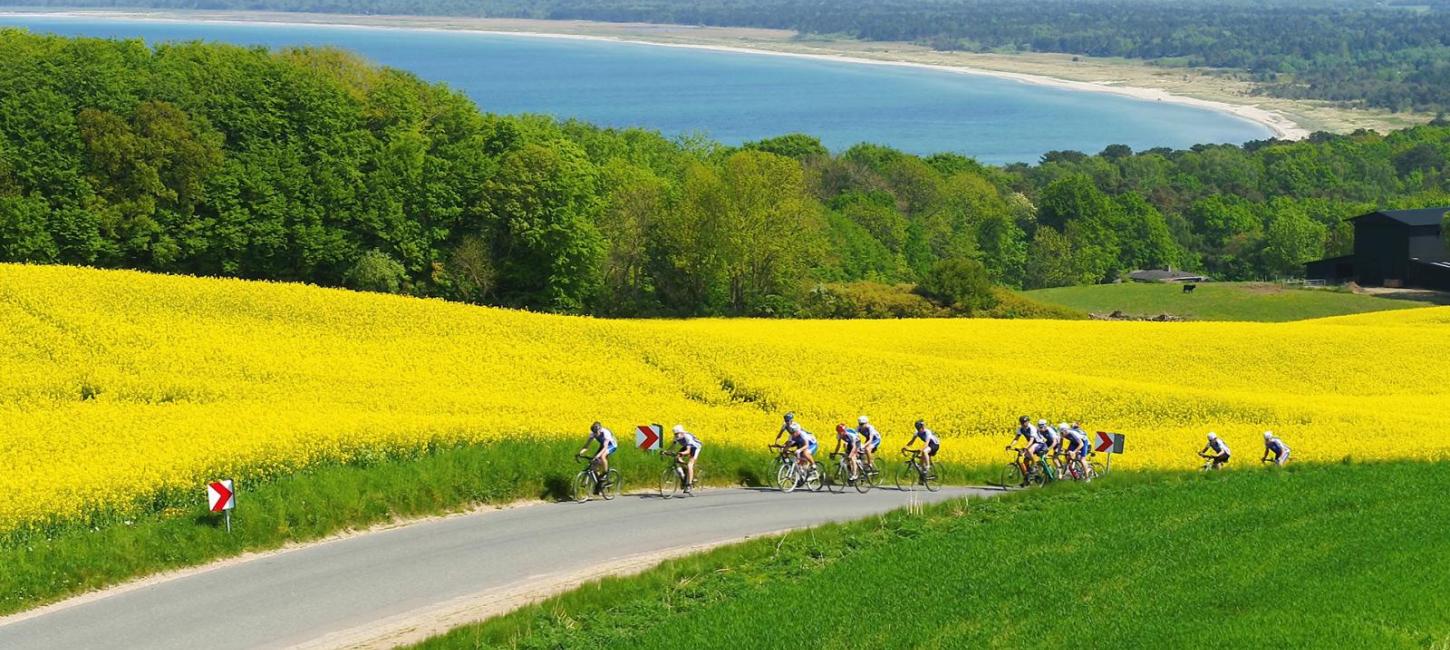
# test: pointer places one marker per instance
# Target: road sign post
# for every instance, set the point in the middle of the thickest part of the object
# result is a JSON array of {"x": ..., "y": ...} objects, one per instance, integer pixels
[
  {"x": 1112, "y": 443},
  {"x": 648, "y": 436},
  {"x": 222, "y": 497}
]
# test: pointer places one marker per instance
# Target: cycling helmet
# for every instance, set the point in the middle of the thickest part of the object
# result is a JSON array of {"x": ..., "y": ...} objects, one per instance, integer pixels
[
  {"x": 921, "y": 424},
  {"x": 594, "y": 428},
  {"x": 795, "y": 428},
  {"x": 1042, "y": 423},
  {"x": 679, "y": 429},
  {"x": 863, "y": 421},
  {"x": 1064, "y": 425},
  {"x": 1024, "y": 419},
  {"x": 790, "y": 416},
  {"x": 1212, "y": 435},
  {"x": 1268, "y": 435},
  {"x": 840, "y": 428}
]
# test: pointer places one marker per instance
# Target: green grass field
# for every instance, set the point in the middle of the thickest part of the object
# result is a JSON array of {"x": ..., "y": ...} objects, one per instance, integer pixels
[
  {"x": 1238, "y": 301},
  {"x": 1350, "y": 556}
]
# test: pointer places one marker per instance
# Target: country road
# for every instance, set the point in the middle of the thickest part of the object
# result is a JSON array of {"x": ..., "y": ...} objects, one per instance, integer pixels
[{"x": 402, "y": 584}]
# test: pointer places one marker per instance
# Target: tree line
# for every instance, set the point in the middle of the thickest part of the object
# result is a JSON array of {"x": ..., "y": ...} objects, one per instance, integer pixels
[
  {"x": 311, "y": 165},
  {"x": 1387, "y": 55}
]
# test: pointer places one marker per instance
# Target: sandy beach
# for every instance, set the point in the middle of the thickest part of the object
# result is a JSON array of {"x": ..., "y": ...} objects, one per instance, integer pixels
[{"x": 778, "y": 43}]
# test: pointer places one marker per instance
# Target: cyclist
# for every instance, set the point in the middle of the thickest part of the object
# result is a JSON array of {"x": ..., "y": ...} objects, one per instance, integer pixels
[
  {"x": 689, "y": 448},
  {"x": 1050, "y": 437},
  {"x": 1220, "y": 454},
  {"x": 804, "y": 442},
  {"x": 1273, "y": 445},
  {"x": 785, "y": 426},
  {"x": 852, "y": 441},
  {"x": 870, "y": 439},
  {"x": 1074, "y": 440},
  {"x": 1030, "y": 437},
  {"x": 607, "y": 445},
  {"x": 930, "y": 444}
]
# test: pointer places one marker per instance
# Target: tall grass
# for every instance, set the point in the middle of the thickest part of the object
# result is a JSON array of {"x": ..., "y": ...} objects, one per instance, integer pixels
[{"x": 1349, "y": 556}]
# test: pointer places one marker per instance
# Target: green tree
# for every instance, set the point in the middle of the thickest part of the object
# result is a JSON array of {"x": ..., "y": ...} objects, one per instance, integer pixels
[
  {"x": 377, "y": 271},
  {"x": 959, "y": 283},
  {"x": 1291, "y": 239}
]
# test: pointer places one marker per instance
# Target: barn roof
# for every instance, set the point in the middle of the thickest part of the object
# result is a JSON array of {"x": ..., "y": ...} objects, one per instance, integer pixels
[{"x": 1420, "y": 217}]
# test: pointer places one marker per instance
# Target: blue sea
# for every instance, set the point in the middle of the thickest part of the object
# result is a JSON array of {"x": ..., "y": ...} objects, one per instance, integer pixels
[{"x": 732, "y": 97}]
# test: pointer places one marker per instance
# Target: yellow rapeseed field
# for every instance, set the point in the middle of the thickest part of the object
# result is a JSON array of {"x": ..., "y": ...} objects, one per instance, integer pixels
[{"x": 116, "y": 386}]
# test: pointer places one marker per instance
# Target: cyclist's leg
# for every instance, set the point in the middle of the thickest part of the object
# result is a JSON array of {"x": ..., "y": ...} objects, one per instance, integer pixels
[
  {"x": 690, "y": 468},
  {"x": 601, "y": 460}
]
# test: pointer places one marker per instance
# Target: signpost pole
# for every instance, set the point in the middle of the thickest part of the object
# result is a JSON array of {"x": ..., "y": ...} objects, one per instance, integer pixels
[{"x": 229, "y": 522}]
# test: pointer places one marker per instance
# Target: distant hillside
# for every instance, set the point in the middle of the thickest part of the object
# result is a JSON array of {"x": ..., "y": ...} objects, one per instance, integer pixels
[
  {"x": 1352, "y": 51},
  {"x": 1217, "y": 301}
]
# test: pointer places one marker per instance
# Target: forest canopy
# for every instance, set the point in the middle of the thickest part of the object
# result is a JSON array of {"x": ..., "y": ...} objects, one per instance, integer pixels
[{"x": 312, "y": 165}]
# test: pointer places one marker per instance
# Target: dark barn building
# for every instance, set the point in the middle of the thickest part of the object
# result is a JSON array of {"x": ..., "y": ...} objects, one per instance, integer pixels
[{"x": 1392, "y": 248}]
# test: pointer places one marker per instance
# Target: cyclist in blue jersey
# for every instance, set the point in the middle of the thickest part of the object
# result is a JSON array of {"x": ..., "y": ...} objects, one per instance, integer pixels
[
  {"x": 1074, "y": 440},
  {"x": 789, "y": 419},
  {"x": 607, "y": 445},
  {"x": 804, "y": 442},
  {"x": 690, "y": 447},
  {"x": 931, "y": 444},
  {"x": 1273, "y": 445},
  {"x": 1219, "y": 448},
  {"x": 851, "y": 440},
  {"x": 870, "y": 439}
]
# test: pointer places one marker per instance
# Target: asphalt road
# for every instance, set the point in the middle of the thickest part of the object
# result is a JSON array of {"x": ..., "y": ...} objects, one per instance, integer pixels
[{"x": 319, "y": 594}]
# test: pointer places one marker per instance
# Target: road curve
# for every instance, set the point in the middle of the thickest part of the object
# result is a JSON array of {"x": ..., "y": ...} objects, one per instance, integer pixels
[{"x": 399, "y": 583}]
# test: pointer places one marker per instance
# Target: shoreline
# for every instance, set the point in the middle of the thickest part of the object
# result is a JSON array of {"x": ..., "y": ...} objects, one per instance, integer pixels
[{"x": 1279, "y": 125}]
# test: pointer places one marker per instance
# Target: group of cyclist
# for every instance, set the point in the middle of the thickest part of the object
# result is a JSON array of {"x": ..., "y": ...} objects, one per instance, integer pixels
[
  {"x": 1217, "y": 452},
  {"x": 860, "y": 444},
  {"x": 687, "y": 445}
]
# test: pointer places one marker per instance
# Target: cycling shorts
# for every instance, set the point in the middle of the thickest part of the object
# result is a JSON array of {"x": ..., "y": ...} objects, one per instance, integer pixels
[
  {"x": 694, "y": 452},
  {"x": 808, "y": 447},
  {"x": 1037, "y": 448},
  {"x": 874, "y": 444},
  {"x": 932, "y": 448},
  {"x": 609, "y": 450}
]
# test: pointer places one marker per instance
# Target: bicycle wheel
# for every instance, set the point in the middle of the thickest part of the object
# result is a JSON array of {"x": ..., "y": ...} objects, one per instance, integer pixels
[
  {"x": 613, "y": 485},
  {"x": 815, "y": 479},
  {"x": 1079, "y": 471},
  {"x": 1037, "y": 479},
  {"x": 1098, "y": 469},
  {"x": 929, "y": 479},
  {"x": 836, "y": 482},
  {"x": 670, "y": 482},
  {"x": 583, "y": 486},
  {"x": 1012, "y": 476},
  {"x": 907, "y": 477},
  {"x": 873, "y": 475},
  {"x": 863, "y": 480},
  {"x": 785, "y": 478}
]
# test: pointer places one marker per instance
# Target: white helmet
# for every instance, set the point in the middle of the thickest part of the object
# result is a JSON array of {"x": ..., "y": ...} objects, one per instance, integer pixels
[
  {"x": 1268, "y": 435},
  {"x": 1042, "y": 423},
  {"x": 795, "y": 428},
  {"x": 1212, "y": 435},
  {"x": 862, "y": 420},
  {"x": 1064, "y": 425},
  {"x": 679, "y": 429}
]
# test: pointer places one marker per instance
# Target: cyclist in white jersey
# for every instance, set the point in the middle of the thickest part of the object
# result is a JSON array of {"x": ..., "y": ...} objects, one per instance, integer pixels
[
  {"x": 1219, "y": 448},
  {"x": 931, "y": 444},
  {"x": 870, "y": 438},
  {"x": 690, "y": 448},
  {"x": 607, "y": 445}
]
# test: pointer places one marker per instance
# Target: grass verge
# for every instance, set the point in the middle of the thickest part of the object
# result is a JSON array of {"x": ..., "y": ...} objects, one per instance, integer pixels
[
  {"x": 67, "y": 560},
  {"x": 1217, "y": 301},
  {"x": 1315, "y": 556}
]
